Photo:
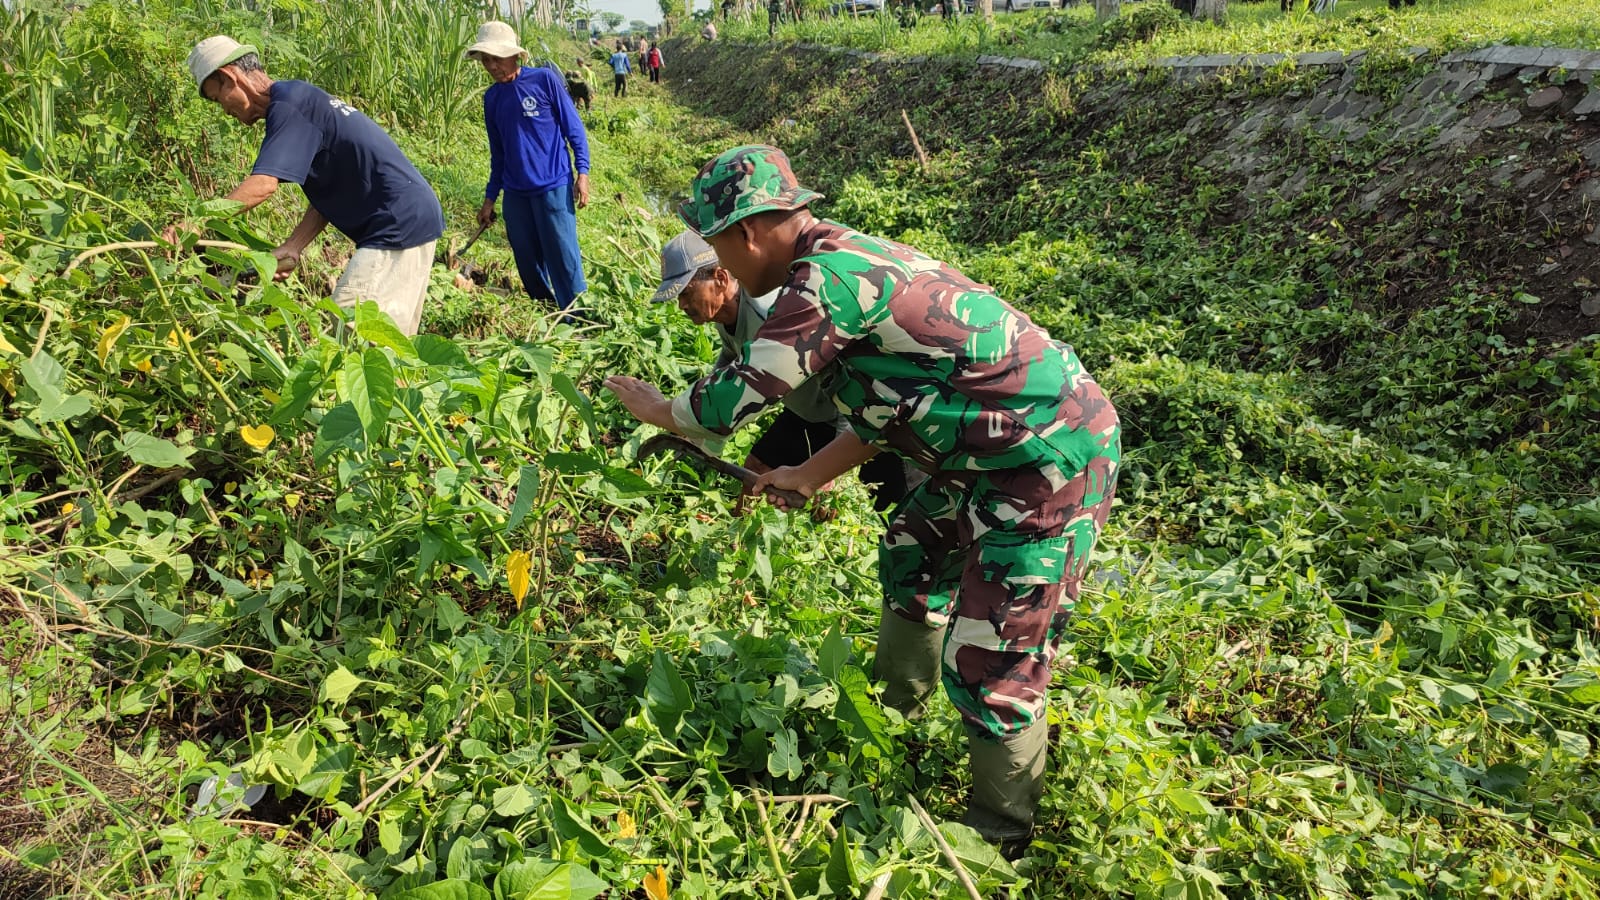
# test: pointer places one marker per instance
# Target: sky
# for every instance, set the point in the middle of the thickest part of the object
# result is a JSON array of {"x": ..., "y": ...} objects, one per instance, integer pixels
[{"x": 644, "y": 10}]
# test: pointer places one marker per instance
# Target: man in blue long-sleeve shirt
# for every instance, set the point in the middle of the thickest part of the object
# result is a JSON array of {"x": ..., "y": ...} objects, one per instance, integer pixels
[{"x": 532, "y": 125}]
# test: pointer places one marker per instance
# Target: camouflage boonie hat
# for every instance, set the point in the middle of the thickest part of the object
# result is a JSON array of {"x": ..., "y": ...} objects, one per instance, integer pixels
[{"x": 739, "y": 183}]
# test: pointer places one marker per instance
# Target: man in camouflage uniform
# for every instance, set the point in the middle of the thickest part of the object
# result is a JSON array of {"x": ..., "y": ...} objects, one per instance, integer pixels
[
  {"x": 708, "y": 294},
  {"x": 982, "y": 563}
]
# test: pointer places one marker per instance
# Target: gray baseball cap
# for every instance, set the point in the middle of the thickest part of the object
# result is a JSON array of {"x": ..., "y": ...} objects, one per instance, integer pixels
[{"x": 683, "y": 256}]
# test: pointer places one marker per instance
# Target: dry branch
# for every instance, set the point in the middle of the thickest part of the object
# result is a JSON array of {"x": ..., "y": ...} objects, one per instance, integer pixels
[{"x": 945, "y": 848}]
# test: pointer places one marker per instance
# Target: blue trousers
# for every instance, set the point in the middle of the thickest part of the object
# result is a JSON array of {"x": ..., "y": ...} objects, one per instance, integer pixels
[{"x": 542, "y": 227}]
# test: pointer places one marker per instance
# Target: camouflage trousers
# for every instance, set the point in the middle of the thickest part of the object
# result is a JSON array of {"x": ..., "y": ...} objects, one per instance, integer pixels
[{"x": 995, "y": 560}]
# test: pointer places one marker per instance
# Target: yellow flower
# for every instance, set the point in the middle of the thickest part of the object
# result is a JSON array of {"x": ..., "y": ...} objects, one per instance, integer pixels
[
  {"x": 258, "y": 436},
  {"x": 291, "y": 500},
  {"x": 216, "y": 364},
  {"x": 68, "y": 508},
  {"x": 144, "y": 366},
  {"x": 625, "y": 826},
  {"x": 269, "y": 395},
  {"x": 459, "y": 419},
  {"x": 655, "y": 884},
  {"x": 518, "y": 567}
]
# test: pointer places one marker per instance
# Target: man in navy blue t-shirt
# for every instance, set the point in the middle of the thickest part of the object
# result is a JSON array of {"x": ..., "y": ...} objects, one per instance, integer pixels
[
  {"x": 353, "y": 174},
  {"x": 539, "y": 158}
]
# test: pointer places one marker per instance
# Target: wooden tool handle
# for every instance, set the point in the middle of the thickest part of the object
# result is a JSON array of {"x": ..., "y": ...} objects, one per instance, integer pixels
[{"x": 664, "y": 442}]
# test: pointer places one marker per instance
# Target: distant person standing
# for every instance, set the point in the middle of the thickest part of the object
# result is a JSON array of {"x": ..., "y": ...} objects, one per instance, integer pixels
[
  {"x": 620, "y": 69},
  {"x": 774, "y": 16},
  {"x": 539, "y": 157},
  {"x": 353, "y": 175},
  {"x": 653, "y": 63},
  {"x": 727, "y": 12}
]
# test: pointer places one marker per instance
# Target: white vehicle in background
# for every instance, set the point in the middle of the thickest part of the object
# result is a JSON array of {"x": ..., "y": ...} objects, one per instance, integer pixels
[{"x": 1009, "y": 6}]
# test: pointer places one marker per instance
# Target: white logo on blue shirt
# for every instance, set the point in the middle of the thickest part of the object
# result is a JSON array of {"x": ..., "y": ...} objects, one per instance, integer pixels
[
  {"x": 530, "y": 107},
  {"x": 343, "y": 107}
]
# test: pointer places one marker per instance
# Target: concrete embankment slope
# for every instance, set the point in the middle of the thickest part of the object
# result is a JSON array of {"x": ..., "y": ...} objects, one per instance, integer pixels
[{"x": 1424, "y": 169}]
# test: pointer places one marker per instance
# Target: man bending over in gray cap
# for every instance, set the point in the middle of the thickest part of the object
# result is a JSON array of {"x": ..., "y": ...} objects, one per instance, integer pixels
[{"x": 353, "y": 175}]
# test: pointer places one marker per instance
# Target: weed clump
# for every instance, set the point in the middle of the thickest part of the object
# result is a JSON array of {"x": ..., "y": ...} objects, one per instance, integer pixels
[{"x": 1139, "y": 26}]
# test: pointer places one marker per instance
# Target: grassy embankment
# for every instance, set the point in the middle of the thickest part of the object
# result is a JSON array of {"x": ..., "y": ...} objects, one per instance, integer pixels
[
  {"x": 1346, "y": 653},
  {"x": 1070, "y": 36}
]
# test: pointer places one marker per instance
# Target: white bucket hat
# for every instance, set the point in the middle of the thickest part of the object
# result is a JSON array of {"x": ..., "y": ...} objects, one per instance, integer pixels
[
  {"x": 495, "y": 39},
  {"x": 212, "y": 54}
]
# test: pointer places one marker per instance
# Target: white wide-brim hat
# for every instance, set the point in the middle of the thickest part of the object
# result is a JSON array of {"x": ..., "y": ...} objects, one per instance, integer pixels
[
  {"x": 495, "y": 39},
  {"x": 212, "y": 54}
]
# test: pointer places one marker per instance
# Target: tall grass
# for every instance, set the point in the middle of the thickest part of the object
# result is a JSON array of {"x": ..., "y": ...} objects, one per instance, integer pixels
[
  {"x": 31, "y": 47},
  {"x": 1068, "y": 36},
  {"x": 400, "y": 58}
]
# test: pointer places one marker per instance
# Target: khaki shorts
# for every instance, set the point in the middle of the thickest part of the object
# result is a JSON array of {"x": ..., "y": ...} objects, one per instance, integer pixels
[{"x": 396, "y": 280}]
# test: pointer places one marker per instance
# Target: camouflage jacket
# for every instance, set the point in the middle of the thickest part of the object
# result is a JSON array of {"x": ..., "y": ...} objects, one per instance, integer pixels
[
  {"x": 933, "y": 365},
  {"x": 813, "y": 400}
]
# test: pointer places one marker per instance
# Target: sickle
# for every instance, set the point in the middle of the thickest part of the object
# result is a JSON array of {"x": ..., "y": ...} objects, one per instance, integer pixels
[{"x": 663, "y": 443}]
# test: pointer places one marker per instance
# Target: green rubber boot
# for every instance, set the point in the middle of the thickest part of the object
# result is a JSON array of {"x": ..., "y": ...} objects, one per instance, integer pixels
[
  {"x": 908, "y": 661},
  {"x": 1007, "y": 781}
]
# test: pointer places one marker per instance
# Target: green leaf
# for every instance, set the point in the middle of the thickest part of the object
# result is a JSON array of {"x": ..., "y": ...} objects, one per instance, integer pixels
[
  {"x": 835, "y": 652},
  {"x": 389, "y": 835},
  {"x": 527, "y": 487},
  {"x": 58, "y": 408},
  {"x": 572, "y": 463},
  {"x": 341, "y": 428},
  {"x": 43, "y": 373},
  {"x": 841, "y": 870},
  {"x": 434, "y": 350},
  {"x": 47, "y": 379},
  {"x": 979, "y": 856},
  {"x": 1585, "y": 694},
  {"x": 540, "y": 879},
  {"x": 626, "y": 483},
  {"x": 859, "y": 711},
  {"x": 784, "y": 760},
  {"x": 158, "y": 453},
  {"x": 514, "y": 800},
  {"x": 327, "y": 776},
  {"x": 449, "y": 889},
  {"x": 572, "y": 824},
  {"x": 1458, "y": 695},
  {"x": 236, "y": 355},
  {"x": 1503, "y": 778},
  {"x": 253, "y": 889},
  {"x": 666, "y": 693},
  {"x": 367, "y": 383},
  {"x": 337, "y": 686},
  {"x": 1190, "y": 802},
  {"x": 304, "y": 380},
  {"x": 567, "y": 389},
  {"x": 375, "y": 325}
]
